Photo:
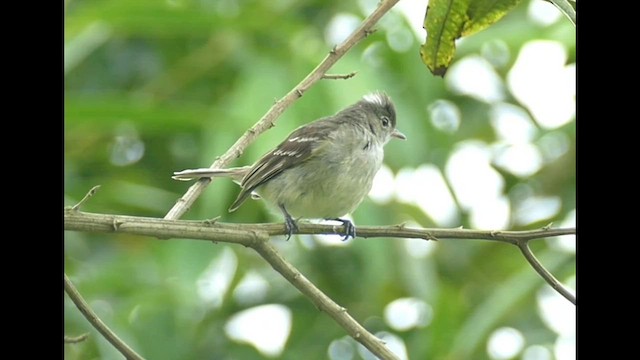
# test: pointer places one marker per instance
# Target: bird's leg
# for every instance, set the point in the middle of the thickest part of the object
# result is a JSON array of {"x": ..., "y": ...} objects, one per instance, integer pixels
[
  {"x": 349, "y": 228},
  {"x": 289, "y": 223}
]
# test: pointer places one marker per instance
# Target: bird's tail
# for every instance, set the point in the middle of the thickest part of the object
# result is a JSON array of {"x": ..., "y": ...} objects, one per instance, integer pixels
[{"x": 191, "y": 174}]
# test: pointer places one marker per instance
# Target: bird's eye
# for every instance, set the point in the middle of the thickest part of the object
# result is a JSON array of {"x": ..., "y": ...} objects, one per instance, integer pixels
[{"x": 385, "y": 121}]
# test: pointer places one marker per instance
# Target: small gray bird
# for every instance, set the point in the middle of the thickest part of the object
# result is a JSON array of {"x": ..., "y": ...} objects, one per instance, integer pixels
[{"x": 321, "y": 170}]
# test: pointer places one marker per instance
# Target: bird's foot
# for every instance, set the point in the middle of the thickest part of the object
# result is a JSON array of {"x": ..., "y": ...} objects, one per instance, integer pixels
[
  {"x": 291, "y": 226},
  {"x": 289, "y": 222},
  {"x": 349, "y": 229}
]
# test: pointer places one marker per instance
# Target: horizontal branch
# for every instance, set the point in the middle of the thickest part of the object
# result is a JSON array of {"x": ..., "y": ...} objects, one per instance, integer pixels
[
  {"x": 253, "y": 237},
  {"x": 245, "y": 234},
  {"x": 256, "y": 236}
]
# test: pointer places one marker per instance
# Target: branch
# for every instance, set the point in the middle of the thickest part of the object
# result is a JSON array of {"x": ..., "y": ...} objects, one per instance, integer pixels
[
  {"x": 324, "y": 303},
  {"x": 339, "y": 76},
  {"x": 255, "y": 238},
  {"x": 567, "y": 7},
  {"x": 76, "y": 339},
  {"x": 546, "y": 275},
  {"x": 268, "y": 120},
  {"x": 85, "y": 198},
  {"x": 244, "y": 234},
  {"x": 96, "y": 322}
]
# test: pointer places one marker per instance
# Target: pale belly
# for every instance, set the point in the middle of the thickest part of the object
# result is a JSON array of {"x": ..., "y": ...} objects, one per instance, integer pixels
[{"x": 328, "y": 191}]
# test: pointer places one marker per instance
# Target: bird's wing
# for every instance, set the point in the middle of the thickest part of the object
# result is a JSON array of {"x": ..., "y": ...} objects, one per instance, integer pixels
[{"x": 301, "y": 145}]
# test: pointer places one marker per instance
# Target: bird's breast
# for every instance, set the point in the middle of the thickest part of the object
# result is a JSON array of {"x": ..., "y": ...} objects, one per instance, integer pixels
[{"x": 326, "y": 186}]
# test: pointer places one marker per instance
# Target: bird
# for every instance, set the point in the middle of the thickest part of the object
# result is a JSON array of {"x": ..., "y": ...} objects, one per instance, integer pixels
[{"x": 321, "y": 170}]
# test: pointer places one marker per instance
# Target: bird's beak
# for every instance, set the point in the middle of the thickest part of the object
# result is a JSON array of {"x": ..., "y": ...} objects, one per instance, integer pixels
[{"x": 397, "y": 134}]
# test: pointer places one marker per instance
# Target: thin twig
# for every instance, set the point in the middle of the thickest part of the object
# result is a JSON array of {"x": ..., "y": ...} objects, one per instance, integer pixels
[
  {"x": 96, "y": 322},
  {"x": 76, "y": 339},
  {"x": 339, "y": 76},
  {"x": 91, "y": 192},
  {"x": 542, "y": 271},
  {"x": 566, "y": 8},
  {"x": 268, "y": 120}
]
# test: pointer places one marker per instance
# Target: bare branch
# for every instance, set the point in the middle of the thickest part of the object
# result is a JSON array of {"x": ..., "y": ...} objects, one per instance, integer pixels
[
  {"x": 567, "y": 7},
  {"x": 324, "y": 303},
  {"x": 246, "y": 234},
  {"x": 254, "y": 238},
  {"x": 546, "y": 275},
  {"x": 76, "y": 339},
  {"x": 267, "y": 121},
  {"x": 339, "y": 76},
  {"x": 96, "y": 322},
  {"x": 91, "y": 192}
]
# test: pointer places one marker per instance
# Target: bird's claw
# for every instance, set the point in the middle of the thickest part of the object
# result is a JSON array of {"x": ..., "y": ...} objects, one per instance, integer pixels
[
  {"x": 291, "y": 226},
  {"x": 349, "y": 229}
]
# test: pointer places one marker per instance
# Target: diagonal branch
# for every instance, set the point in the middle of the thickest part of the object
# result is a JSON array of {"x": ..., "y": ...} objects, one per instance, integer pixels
[
  {"x": 269, "y": 119},
  {"x": 543, "y": 272},
  {"x": 86, "y": 198},
  {"x": 324, "y": 303},
  {"x": 97, "y": 323}
]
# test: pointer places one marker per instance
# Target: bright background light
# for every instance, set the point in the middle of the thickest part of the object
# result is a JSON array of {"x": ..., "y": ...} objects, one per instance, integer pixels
[{"x": 266, "y": 327}]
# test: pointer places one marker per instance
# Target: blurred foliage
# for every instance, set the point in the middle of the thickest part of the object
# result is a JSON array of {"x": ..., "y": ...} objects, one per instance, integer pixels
[{"x": 152, "y": 87}]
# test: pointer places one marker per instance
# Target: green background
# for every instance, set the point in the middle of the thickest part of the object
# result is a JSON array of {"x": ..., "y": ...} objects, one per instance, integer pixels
[{"x": 152, "y": 87}]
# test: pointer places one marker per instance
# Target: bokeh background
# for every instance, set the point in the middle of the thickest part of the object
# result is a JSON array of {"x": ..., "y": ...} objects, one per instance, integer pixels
[{"x": 152, "y": 87}]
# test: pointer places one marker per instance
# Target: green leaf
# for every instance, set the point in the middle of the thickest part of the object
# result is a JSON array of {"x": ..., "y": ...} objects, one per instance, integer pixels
[
  {"x": 483, "y": 13},
  {"x": 444, "y": 21},
  {"x": 448, "y": 20}
]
